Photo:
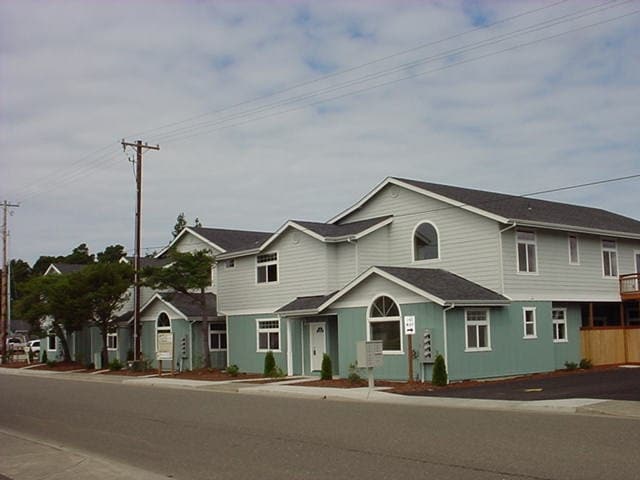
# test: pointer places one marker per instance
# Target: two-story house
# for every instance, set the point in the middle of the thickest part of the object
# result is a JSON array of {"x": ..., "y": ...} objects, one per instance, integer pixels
[{"x": 504, "y": 284}]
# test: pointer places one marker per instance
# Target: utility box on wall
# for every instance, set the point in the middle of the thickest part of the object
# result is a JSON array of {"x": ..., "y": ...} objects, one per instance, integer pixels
[{"x": 369, "y": 354}]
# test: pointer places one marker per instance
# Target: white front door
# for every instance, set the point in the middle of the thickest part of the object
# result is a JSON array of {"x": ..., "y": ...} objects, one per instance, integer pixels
[{"x": 317, "y": 344}]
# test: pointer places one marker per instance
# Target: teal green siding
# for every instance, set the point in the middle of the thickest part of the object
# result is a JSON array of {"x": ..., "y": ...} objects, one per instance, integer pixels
[
  {"x": 569, "y": 351},
  {"x": 242, "y": 343}
]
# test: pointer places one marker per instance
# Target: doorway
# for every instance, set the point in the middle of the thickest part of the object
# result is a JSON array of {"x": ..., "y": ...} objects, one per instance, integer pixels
[{"x": 317, "y": 344}]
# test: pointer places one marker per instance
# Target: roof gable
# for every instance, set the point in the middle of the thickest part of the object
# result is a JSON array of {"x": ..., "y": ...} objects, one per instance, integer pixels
[{"x": 221, "y": 239}]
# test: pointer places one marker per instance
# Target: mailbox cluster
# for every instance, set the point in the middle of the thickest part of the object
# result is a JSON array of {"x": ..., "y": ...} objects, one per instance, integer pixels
[{"x": 427, "y": 352}]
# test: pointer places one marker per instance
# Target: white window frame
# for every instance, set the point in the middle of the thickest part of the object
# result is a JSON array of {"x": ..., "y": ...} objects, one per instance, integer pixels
[
  {"x": 477, "y": 324},
  {"x": 55, "y": 342},
  {"x": 268, "y": 330},
  {"x": 577, "y": 249},
  {"x": 527, "y": 243},
  {"x": 413, "y": 243},
  {"x": 371, "y": 320},
  {"x": 266, "y": 265},
  {"x": 230, "y": 264},
  {"x": 110, "y": 341},
  {"x": 162, "y": 329},
  {"x": 606, "y": 253},
  {"x": 526, "y": 321},
  {"x": 219, "y": 333},
  {"x": 557, "y": 322}
]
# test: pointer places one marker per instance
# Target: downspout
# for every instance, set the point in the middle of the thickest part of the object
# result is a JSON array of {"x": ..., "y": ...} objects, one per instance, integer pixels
[
  {"x": 191, "y": 345},
  {"x": 289, "y": 349},
  {"x": 354, "y": 242},
  {"x": 444, "y": 336},
  {"x": 500, "y": 232}
]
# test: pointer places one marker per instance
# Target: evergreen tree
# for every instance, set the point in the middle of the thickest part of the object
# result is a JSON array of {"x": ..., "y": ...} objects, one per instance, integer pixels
[
  {"x": 181, "y": 222},
  {"x": 439, "y": 376}
]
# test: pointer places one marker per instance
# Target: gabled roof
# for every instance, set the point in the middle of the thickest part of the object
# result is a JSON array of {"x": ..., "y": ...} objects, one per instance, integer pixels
[
  {"x": 148, "y": 261},
  {"x": 302, "y": 305},
  {"x": 514, "y": 209},
  {"x": 64, "y": 268},
  {"x": 222, "y": 239},
  {"x": 186, "y": 305},
  {"x": 324, "y": 232}
]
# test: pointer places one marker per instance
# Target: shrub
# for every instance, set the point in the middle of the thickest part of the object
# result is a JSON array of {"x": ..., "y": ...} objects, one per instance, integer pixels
[
  {"x": 439, "y": 376},
  {"x": 51, "y": 363},
  {"x": 44, "y": 356},
  {"x": 233, "y": 370},
  {"x": 115, "y": 365},
  {"x": 325, "y": 372},
  {"x": 354, "y": 376},
  {"x": 570, "y": 365},
  {"x": 269, "y": 364},
  {"x": 586, "y": 364}
]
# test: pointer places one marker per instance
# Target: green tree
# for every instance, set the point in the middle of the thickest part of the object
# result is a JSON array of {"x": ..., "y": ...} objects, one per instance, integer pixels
[
  {"x": 269, "y": 364},
  {"x": 19, "y": 272},
  {"x": 111, "y": 254},
  {"x": 196, "y": 223},
  {"x": 439, "y": 376},
  {"x": 190, "y": 274},
  {"x": 181, "y": 222},
  {"x": 56, "y": 303},
  {"x": 326, "y": 370},
  {"x": 80, "y": 256},
  {"x": 105, "y": 291},
  {"x": 44, "y": 262}
]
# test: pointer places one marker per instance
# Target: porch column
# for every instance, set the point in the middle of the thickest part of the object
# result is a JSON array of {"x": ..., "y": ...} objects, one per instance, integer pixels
[
  {"x": 591, "y": 314},
  {"x": 289, "y": 349}
]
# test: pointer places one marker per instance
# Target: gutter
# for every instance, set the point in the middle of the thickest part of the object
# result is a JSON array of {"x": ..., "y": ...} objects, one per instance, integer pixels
[
  {"x": 576, "y": 229},
  {"x": 444, "y": 326}
]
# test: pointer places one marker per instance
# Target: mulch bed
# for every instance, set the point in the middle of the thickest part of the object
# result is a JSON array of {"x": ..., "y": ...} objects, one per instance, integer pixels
[
  {"x": 130, "y": 373},
  {"x": 61, "y": 367},
  {"x": 211, "y": 375},
  {"x": 15, "y": 365}
]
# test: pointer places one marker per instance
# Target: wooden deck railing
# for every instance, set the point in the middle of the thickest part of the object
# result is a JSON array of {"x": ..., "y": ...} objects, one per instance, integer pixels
[{"x": 630, "y": 286}]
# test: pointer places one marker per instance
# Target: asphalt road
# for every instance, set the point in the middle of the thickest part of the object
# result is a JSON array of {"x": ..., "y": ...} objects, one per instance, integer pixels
[{"x": 187, "y": 434}]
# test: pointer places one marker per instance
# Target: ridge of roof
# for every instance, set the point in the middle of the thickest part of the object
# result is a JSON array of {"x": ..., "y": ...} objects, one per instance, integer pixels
[
  {"x": 232, "y": 239},
  {"x": 341, "y": 230}
]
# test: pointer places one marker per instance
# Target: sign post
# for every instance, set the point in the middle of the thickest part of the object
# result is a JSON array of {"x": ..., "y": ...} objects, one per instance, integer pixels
[
  {"x": 409, "y": 331},
  {"x": 164, "y": 349}
]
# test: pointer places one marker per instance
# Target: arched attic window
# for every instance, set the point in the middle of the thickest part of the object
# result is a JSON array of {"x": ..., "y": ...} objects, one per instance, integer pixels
[
  {"x": 163, "y": 324},
  {"x": 425, "y": 242},
  {"x": 384, "y": 323}
]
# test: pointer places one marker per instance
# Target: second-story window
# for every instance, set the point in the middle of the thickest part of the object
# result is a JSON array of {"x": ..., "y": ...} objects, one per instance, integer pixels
[
  {"x": 574, "y": 257},
  {"x": 609, "y": 258},
  {"x": 527, "y": 258},
  {"x": 425, "y": 242},
  {"x": 267, "y": 268}
]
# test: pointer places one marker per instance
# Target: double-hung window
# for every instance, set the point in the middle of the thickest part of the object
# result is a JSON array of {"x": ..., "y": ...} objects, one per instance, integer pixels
[
  {"x": 267, "y": 268},
  {"x": 527, "y": 258},
  {"x": 529, "y": 322},
  {"x": 477, "y": 333},
  {"x": 268, "y": 332},
  {"x": 574, "y": 257},
  {"x": 52, "y": 342},
  {"x": 609, "y": 258},
  {"x": 217, "y": 336},
  {"x": 559, "y": 317},
  {"x": 112, "y": 341}
]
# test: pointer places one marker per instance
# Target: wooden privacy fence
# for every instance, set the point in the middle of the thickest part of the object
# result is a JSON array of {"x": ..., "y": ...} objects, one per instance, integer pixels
[{"x": 611, "y": 345}]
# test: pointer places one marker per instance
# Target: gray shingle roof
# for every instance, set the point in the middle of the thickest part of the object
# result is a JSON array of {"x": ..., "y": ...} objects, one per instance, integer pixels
[
  {"x": 150, "y": 261},
  {"x": 345, "y": 229},
  {"x": 232, "y": 240},
  {"x": 304, "y": 303},
  {"x": 445, "y": 285},
  {"x": 65, "y": 268},
  {"x": 190, "y": 306},
  {"x": 532, "y": 209}
]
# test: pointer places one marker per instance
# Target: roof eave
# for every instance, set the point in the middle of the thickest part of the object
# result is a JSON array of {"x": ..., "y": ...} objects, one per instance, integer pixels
[
  {"x": 239, "y": 253},
  {"x": 298, "y": 313},
  {"x": 576, "y": 229},
  {"x": 195, "y": 234}
]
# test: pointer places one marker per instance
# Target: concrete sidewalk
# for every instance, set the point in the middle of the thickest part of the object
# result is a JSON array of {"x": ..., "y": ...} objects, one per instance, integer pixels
[
  {"x": 628, "y": 409},
  {"x": 25, "y": 458}
]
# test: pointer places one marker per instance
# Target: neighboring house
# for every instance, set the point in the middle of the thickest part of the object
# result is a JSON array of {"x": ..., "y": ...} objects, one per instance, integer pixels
[{"x": 503, "y": 284}]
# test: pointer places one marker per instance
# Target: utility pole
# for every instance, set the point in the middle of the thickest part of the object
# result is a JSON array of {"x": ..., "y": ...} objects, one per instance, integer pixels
[
  {"x": 139, "y": 146},
  {"x": 4, "y": 291}
]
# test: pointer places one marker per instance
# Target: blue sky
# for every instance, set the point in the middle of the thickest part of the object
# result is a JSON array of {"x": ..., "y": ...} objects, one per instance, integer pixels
[{"x": 436, "y": 91}]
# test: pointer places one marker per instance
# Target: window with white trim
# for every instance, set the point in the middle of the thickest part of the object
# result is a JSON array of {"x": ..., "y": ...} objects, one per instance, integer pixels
[
  {"x": 384, "y": 324},
  {"x": 529, "y": 322},
  {"x": 559, "y": 317},
  {"x": 574, "y": 255},
  {"x": 425, "y": 242},
  {"x": 163, "y": 323},
  {"x": 231, "y": 263},
  {"x": 217, "y": 336},
  {"x": 526, "y": 247},
  {"x": 477, "y": 335},
  {"x": 267, "y": 268},
  {"x": 268, "y": 333},
  {"x": 52, "y": 342},
  {"x": 609, "y": 258},
  {"x": 112, "y": 341}
]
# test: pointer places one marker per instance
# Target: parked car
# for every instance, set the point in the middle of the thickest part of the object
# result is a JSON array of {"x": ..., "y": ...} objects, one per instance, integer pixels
[
  {"x": 34, "y": 345},
  {"x": 15, "y": 344}
]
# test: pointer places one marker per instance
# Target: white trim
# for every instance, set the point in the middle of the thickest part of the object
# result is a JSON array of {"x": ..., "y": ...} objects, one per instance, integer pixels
[
  {"x": 609, "y": 251},
  {"x": 577, "y": 229},
  {"x": 555, "y": 322},
  {"x": 169, "y": 305},
  {"x": 386, "y": 319},
  {"x": 424, "y": 261},
  {"x": 275, "y": 262},
  {"x": 535, "y": 254},
  {"x": 268, "y": 330},
  {"x": 477, "y": 323},
  {"x": 183, "y": 233},
  {"x": 569, "y": 237},
  {"x": 218, "y": 332},
  {"x": 427, "y": 193},
  {"x": 289, "y": 349},
  {"x": 324, "y": 326},
  {"x": 534, "y": 323},
  {"x": 112, "y": 335},
  {"x": 50, "y": 268},
  {"x": 56, "y": 342},
  {"x": 636, "y": 262}
]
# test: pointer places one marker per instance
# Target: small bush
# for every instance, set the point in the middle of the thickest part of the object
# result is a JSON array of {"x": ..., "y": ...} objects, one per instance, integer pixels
[
  {"x": 44, "y": 356},
  {"x": 439, "y": 376},
  {"x": 354, "y": 375},
  {"x": 325, "y": 372},
  {"x": 115, "y": 365},
  {"x": 90, "y": 366},
  {"x": 51, "y": 363},
  {"x": 269, "y": 364},
  {"x": 570, "y": 365},
  {"x": 586, "y": 364},
  {"x": 233, "y": 370}
]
